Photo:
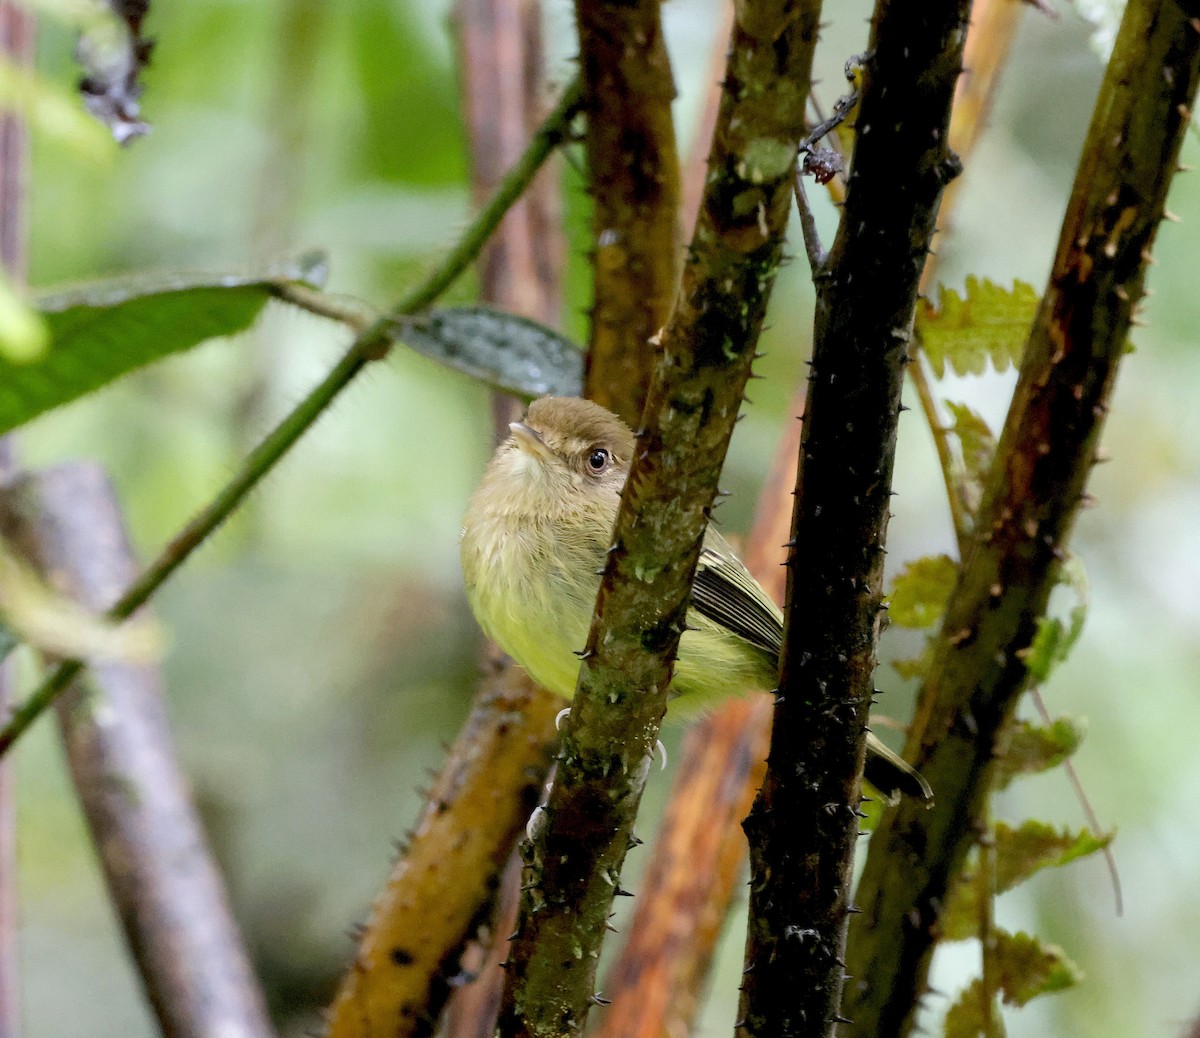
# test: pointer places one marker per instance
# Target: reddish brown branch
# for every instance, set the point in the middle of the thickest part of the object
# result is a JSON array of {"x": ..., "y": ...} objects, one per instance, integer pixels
[{"x": 634, "y": 183}]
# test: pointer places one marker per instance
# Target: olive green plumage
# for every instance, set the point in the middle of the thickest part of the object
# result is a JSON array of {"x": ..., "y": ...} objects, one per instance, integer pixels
[{"x": 533, "y": 546}]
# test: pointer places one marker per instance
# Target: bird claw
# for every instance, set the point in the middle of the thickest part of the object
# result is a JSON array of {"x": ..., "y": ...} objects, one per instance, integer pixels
[
  {"x": 535, "y": 823},
  {"x": 558, "y": 718},
  {"x": 662, "y": 751}
]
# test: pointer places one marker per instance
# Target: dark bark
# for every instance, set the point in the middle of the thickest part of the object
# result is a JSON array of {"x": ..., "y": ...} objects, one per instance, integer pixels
[
  {"x": 1032, "y": 497},
  {"x": 803, "y": 827}
]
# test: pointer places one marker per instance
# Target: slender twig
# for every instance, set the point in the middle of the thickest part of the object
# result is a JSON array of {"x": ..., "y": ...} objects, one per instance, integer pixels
[
  {"x": 808, "y": 229},
  {"x": 977, "y": 670},
  {"x": 994, "y": 26},
  {"x": 707, "y": 349},
  {"x": 372, "y": 344},
  {"x": 804, "y": 824},
  {"x": 1085, "y": 805},
  {"x": 952, "y": 473},
  {"x": 355, "y": 314},
  {"x": 985, "y": 880}
]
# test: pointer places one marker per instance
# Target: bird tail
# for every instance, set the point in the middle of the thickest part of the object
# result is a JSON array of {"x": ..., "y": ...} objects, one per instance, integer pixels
[{"x": 892, "y": 775}]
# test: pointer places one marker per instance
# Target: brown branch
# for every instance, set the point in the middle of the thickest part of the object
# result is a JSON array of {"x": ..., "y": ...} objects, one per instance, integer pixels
[
  {"x": 634, "y": 183},
  {"x": 521, "y": 271},
  {"x": 707, "y": 351},
  {"x": 473, "y": 816},
  {"x": 694, "y": 875},
  {"x": 803, "y": 827},
  {"x": 161, "y": 877},
  {"x": 695, "y": 167},
  {"x": 1032, "y": 496}
]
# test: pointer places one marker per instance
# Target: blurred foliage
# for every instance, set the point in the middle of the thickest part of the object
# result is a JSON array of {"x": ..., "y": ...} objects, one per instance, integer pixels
[{"x": 319, "y": 650}]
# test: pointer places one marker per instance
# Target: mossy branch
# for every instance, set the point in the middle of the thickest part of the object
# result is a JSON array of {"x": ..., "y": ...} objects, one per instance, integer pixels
[
  {"x": 373, "y": 343},
  {"x": 1032, "y": 496},
  {"x": 634, "y": 183},
  {"x": 699, "y": 376},
  {"x": 804, "y": 824}
]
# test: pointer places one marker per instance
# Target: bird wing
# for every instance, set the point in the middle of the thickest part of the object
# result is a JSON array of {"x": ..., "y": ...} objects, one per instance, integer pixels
[{"x": 725, "y": 592}]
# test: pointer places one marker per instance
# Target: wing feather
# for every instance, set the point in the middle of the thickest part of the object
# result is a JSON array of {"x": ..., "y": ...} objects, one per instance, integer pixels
[{"x": 726, "y": 593}]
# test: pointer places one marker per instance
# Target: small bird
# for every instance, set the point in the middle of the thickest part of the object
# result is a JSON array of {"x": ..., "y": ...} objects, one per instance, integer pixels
[{"x": 533, "y": 546}]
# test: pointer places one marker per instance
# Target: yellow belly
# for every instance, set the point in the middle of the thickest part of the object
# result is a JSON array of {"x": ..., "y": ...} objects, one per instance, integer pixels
[{"x": 525, "y": 603}]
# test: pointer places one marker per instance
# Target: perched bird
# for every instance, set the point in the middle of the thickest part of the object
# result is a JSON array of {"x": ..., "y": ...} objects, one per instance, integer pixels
[{"x": 533, "y": 546}]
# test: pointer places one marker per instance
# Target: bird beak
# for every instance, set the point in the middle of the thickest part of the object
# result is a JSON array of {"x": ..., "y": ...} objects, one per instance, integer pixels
[{"x": 529, "y": 440}]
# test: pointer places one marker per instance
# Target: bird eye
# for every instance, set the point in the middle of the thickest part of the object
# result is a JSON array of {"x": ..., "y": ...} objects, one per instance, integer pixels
[{"x": 598, "y": 460}]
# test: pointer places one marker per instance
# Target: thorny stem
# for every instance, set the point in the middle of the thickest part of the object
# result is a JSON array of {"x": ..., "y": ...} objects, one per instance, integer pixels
[
  {"x": 373, "y": 343},
  {"x": 977, "y": 671}
]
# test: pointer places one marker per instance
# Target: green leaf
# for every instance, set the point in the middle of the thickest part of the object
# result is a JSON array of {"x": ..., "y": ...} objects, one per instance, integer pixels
[
  {"x": 502, "y": 350},
  {"x": 978, "y": 447},
  {"x": 1055, "y": 638},
  {"x": 990, "y": 324},
  {"x": 1026, "y": 968},
  {"x": 920, "y": 590},
  {"x": 102, "y": 331},
  {"x": 967, "y": 1017},
  {"x": 1019, "y": 853},
  {"x": 1034, "y": 845},
  {"x": 1034, "y": 748}
]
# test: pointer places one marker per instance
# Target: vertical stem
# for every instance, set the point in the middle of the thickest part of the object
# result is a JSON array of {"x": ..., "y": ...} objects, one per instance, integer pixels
[
  {"x": 634, "y": 182},
  {"x": 1045, "y": 453},
  {"x": 804, "y": 824},
  {"x": 16, "y": 47}
]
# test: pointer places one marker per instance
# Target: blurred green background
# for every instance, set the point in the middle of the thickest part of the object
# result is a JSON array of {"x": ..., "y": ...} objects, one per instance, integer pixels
[{"x": 320, "y": 648}]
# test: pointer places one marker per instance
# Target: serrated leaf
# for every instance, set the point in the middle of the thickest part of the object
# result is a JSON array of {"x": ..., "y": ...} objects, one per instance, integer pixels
[
  {"x": 101, "y": 331},
  {"x": 1055, "y": 637},
  {"x": 1034, "y": 748},
  {"x": 502, "y": 350},
  {"x": 1025, "y": 967},
  {"x": 1018, "y": 854},
  {"x": 1034, "y": 845},
  {"x": 967, "y": 1017},
  {"x": 988, "y": 324},
  {"x": 977, "y": 445},
  {"x": 919, "y": 592}
]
